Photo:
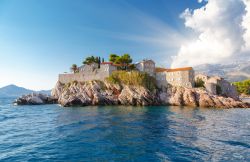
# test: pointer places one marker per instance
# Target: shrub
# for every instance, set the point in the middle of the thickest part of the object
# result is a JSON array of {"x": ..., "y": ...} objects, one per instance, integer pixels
[
  {"x": 133, "y": 78},
  {"x": 243, "y": 87},
  {"x": 218, "y": 90},
  {"x": 199, "y": 83}
]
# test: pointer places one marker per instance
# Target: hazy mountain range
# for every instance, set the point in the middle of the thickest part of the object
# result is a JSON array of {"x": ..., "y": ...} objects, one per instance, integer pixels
[
  {"x": 233, "y": 71},
  {"x": 15, "y": 91}
]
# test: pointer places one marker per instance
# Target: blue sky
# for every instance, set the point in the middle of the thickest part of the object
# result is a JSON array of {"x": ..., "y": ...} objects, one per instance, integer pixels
[{"x": 40, "y": 39}]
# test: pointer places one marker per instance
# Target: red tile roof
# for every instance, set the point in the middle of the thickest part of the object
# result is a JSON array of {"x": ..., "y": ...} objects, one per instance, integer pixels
[
  {"x": 173, "y": 70},
  {"x": 107, "y": 63}
]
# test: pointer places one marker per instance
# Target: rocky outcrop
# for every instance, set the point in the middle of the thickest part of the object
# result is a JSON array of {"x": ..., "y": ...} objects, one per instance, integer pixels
[
  {"x": 104, "y": 93},
  {"x": 197, "y": 97},
  {"x": 35, "y": 99}
]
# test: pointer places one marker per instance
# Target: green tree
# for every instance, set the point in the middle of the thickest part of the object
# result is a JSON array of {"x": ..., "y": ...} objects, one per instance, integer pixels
[
  {"x": 113, "y": 58},
  {"x": 74, "y": 68},
  {"x": 90, "y": 60},
  {"x": 199, "y": 83},
  {"x": 124, "y": 60},
  {"x": 99, "y": 62}
]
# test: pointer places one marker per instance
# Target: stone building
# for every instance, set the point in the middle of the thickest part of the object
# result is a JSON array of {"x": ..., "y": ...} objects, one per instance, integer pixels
[
  {"x": 177, "y": 77},
  {"x": 147, "y": 66},
  {"x": 218, "y": 86},
  {"x": 89, "y": 72}
]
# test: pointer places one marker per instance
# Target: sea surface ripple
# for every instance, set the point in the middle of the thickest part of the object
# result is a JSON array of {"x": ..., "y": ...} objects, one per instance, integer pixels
[{"x": 122, "y": 133}]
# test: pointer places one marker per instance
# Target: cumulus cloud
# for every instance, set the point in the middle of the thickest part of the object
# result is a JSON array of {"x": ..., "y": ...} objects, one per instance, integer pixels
[
  {"x": 223, "y": 31},
  {"x": 246, "y": 26}
]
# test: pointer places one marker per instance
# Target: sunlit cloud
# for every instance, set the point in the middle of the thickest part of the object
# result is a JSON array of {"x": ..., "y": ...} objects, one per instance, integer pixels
[{"x": 223, "y": 28}]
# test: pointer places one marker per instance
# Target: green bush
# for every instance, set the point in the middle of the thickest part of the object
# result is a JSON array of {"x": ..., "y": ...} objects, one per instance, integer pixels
[
  {"x": 243, "y": 87},
  {"x": 133, "y": 78},
  {"x": 218, "y": 90},
  {"x": 199, "y": 83}
]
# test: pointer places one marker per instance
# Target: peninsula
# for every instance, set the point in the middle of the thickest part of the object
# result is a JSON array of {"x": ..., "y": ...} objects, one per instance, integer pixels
[{"x": 121, "y": 82}]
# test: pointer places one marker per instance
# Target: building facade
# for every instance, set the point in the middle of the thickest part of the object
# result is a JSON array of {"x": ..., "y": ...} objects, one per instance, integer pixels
[
  {"x": 183, "y": 77},
  {"x": 147, "y": 66},
  {"x": 177, "y": 77}
]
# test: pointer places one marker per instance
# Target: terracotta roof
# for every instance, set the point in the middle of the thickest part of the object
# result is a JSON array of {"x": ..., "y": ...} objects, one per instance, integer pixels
[
  {"x": 173, "y": 70},
  {"x": 180, "y": 69},
  {"x": 107, "y": 63},
  {"x": 158, "y": 70},
  {"x": 111, "y": 63}
]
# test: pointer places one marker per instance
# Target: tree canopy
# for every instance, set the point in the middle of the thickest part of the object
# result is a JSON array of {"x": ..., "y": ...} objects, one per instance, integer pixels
[
  {"x": 91, "y": 59},
  {"x": 113, "y": 58},
  {"x": 243, "y": 87},
  {"x": 123, "y": 60}
]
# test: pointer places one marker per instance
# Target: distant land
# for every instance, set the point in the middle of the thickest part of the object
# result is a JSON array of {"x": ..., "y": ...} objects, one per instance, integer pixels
[
  {"x": 233, "y": 72},
  {"x": 15, "y": 91}
]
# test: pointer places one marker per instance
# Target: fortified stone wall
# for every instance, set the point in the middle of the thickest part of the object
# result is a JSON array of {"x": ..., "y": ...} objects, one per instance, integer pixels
[
  {"x": 88, "y": 74},
  {"x": 66, "y": 78}
]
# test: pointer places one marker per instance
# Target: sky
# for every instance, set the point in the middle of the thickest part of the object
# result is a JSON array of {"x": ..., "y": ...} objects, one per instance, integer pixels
[{"x": 40, "y": 39}]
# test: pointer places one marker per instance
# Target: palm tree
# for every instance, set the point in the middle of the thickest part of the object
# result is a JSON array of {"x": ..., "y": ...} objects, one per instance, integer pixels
[{"x": 74, "y": 68}]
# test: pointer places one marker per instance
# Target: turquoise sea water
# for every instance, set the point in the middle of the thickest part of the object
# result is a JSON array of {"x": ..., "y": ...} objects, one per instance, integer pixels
[{"x": 53, "y": 133}]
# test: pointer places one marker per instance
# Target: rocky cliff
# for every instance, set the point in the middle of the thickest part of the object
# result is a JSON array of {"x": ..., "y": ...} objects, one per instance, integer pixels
[{"x": 105, "y": 93}]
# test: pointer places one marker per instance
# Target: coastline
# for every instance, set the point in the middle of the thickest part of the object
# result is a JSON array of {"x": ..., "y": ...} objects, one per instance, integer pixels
[
  {"x": 245, "y": 99},
  {"x": 96, "y": 93}
]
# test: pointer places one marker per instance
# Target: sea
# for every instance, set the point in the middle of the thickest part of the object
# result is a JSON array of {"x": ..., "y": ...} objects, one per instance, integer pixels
[{"x": 122, "y": 133}]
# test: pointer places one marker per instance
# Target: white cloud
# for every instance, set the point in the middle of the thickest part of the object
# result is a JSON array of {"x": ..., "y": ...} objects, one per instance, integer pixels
[
  {"x": 223, "y": 29},
  {"x": 246, "y": 26}
]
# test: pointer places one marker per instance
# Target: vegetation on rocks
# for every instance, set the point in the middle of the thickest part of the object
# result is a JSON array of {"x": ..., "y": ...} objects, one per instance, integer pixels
[
  {"x": 199, "y": 83},
  {"x": 133, "y": 78},
  {"x": 243, "y": 87}
]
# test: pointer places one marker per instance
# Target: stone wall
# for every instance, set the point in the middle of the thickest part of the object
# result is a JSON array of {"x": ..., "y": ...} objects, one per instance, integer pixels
[
  {"x": 88, "y": 73},
  {"x": 176, "y": 78},
  {"x": 66, "y": 78}
]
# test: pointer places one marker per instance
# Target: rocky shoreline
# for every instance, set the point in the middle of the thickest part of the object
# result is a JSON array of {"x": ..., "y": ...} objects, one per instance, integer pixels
[
  {"x": 105, "y": 93},
  {"x": 35, "y": 99}
]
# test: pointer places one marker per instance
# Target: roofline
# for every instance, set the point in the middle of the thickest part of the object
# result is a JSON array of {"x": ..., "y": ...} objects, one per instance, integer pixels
[{"x": 174, "y": 70}]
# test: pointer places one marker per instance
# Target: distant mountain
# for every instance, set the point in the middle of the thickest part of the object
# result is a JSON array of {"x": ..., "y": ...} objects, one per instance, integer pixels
[
  {"x": 235, "y": 71},
  {"x": 15, "y": 91}
]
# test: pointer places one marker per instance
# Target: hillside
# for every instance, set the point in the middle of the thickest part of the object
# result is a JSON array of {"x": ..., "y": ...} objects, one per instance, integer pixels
[
  {"x": 233, "y": 72},
  {"x": 15, "y": 91}
]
